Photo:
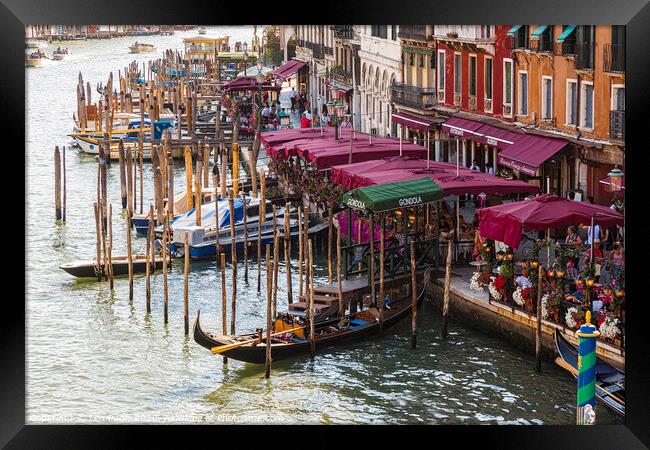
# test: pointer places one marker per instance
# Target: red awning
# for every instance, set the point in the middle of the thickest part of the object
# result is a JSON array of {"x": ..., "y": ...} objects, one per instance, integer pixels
[
  {"x": 505, "y": 222},
  {"x": 413, "y": 121},
  {"x": 288, "y": 69},
  {"x": 497, "y": 137},
  {"x": 529, "y": 151},
  {"x": 462, "y": 127},
  {"x": 249, "y": 84}
]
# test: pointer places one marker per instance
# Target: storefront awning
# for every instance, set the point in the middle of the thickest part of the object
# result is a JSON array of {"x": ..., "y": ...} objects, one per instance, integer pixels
[
  {"x": 514, "y": 29},
  {"x": 414, "y": 121},
  {"x": 497, "y": 137},
  {"x": 288, "y": 69},
  {"x": 462, "y": 127},
  {"x": 390, "y": 196},
  {"x": 567, "y": 31},
  {"x": 539, "y": 30},
  {"x": 529, "y": 151}
]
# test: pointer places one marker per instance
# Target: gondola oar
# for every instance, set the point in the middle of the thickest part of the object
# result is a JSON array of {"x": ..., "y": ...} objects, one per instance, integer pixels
[
  {"x": 562, "y": 363},
  {"x": 223, "y": 348}
]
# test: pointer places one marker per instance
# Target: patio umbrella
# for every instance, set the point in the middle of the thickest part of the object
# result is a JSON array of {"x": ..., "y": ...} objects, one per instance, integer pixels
[{"x": 505, "y": 222}]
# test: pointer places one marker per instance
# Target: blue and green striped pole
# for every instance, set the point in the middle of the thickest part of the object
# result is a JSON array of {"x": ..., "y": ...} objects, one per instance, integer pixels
[{"x": 587, "y": 335}]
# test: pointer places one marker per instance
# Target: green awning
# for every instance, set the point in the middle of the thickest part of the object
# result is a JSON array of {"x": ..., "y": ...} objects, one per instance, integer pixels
[
  {"x": 539, "y": 30},
  {"x": 514, "y": 29},
  {"x": 389, "y": 196},
  {"x": 567, "y": 31}
]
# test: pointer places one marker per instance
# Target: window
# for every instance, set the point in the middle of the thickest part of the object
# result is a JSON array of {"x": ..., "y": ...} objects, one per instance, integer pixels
[
  {"x": 523, "y": 93},
  {"x": 507, "y": 86},
  {"x": 618, "y": 97},
  {"x": 547, "y": 97},
  {"x": 410, "y": 59},
  {"x": 441, "y": 70},
  {"x": 472, "y": 75},
  {"x": 587, "y": 105},
  {"x": 421, "y": 58},
  {"x": 571, "y": 102},
  {"x": 432, "y": 61},
  {"x": 488, "y": 78},
  {"x": 393, "y": 32},
  {"x": 457, "y": 74}
]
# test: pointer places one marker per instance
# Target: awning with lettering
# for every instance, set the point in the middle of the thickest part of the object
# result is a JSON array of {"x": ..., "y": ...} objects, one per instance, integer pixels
[
  {"x": 462, "y": 127},
  {"x": 497, "y": 137},
  {"x": 414, "y": 121},
  {"x": 390, "y": 196},
  {"x": 566, "y": 32},
  {"x": 529, "y": 151}
]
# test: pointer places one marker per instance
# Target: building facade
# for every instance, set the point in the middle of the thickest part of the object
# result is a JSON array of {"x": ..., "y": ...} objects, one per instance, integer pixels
[{"x": 381, "y": 68}]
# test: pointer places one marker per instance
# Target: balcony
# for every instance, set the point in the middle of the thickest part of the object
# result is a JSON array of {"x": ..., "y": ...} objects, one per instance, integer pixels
[
  {"x": 417, "y": 97},
  {"x": 328, "y": 50},
  {"x": 584, "y": 56},
  {"x": 317, "y": 51},
  {"x": 472, "y": 102},
  {"x": 413, "y": 32},
  {"x": 613, "y": 58},
  {"x": 517, "y": 42},
  {"x": 343, "y": 31},
  {"x": 487, "y": 105},
  {"x": 617, "y": 125},
  {"x": 541, "y": 45},
  {"x": 471, "y": 33},
  {"x": 457, "y": 99}
]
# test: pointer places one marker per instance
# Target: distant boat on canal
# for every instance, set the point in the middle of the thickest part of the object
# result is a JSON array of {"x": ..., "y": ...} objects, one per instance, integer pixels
[{"x": 139, "y": 47}]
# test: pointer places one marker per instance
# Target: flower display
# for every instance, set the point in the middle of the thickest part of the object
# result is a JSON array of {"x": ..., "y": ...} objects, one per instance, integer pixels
[
  {"x": 609, "y": 328},
  {"x": 476, "y": 283},
  {"x": 545, "y": 299},
  {"x": 494, "y": 291},
  {"x": 574, "y": 317},
  {"x": 518, "y": 297}
]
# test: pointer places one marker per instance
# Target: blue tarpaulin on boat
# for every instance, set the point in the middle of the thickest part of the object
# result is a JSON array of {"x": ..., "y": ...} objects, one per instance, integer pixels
[
  {"x": 539, "y": 30},
  {"x": 514, "y": 29},
  {"x": 160, "y": 126},
  {"x": 567, "y": 31}
]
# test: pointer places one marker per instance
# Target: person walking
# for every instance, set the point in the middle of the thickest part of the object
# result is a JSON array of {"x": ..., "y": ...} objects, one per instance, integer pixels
[{"x": 293, "y": 97}]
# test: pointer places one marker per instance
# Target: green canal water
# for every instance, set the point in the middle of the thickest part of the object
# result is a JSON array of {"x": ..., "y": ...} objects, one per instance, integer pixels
[{"x": 93, "y": 356}]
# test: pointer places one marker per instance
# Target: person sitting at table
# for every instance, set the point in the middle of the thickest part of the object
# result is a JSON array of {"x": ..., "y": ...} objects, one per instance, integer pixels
[{"x": 572, "y": 237}]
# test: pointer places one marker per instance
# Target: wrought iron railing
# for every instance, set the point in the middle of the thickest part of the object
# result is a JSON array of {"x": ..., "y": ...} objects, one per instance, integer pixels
[
  {"x": 414, "y": 32},
  {"x": 404, "y": 94},
  {"x": 344, "y": 31},
  {"x": 613, "y": 58},
  {"x": 517, "y": 42},
  {"x": 317, "y": 51},
  {"x": 617, "y": 125},
  {"x": 565, "y": 48}
]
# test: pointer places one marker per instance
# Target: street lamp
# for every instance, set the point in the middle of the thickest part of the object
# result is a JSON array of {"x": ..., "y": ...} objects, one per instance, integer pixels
[{"x": 615, "y": 179}]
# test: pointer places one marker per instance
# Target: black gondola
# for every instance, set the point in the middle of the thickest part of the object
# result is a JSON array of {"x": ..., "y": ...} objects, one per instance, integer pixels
[
  {"x": 87, "y": 268},
  {"x": 610, "y": 381},
  {"x": 327, "y": 332}
]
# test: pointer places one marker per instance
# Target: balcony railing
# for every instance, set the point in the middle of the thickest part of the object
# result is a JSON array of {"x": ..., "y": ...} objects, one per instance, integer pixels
[
  {"x": 415, "y": 32},
  {"x": 417, "y": 97},
  {"x": 317, "y": 51},
  {"x": 584, "y": 55},
  {"x": 343, "y": 31},
  {"x": 517, "y": 42},
  {"x": 541, "y": 45},
  {"x": 328, "y": 50},
  {"x": 472, "y": 102},
  {"x": 617, "y": 125},
  {"x": 566, "y": 48},
  {"x": 613, "y": 58}
]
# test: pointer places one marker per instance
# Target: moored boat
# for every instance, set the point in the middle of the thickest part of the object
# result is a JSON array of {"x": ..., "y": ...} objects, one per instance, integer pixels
[
  {"x": 251, "y": 347},
  {"x": 88, "y": 268},
  {"x": 35, "y": 59},
  {"x": 610, "y": 381},
  {"x": 60, "y": 53}
]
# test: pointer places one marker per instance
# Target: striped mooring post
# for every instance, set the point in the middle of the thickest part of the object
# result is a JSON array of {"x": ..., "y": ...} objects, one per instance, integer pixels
[{"x": 587, "y": 335}]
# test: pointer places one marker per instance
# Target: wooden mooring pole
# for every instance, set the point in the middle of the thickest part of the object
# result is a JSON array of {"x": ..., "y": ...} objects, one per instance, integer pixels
[
  {"x": 381, "y": 274},
  {"x": 165, "y": 256},
  {"x": 330, "y": 235},
  {"x": 262, "y": 218},
  {"x": 300, "y": 251},
  {"x": 148, "y": 260},
  {"x": 276, "y": 258},
  {"x": 287, "y": 250},
  {"x": 64, "y": 184},
  {"x": 243, "y": 196},
  {"x": 338, "y": 272},
  {"x": 186, "y": 289},
  {"x": 414, "y": 299},
  {"x": 57, "y": 183},
  {"x": 110, "y": 243},
  {"x": 129, "y": 253},
  {"x": 269, "y": 296},
  {"x": 538, "y": 329},
  {"x": 98, "y": 266},
  {"x": 310, "y": 265},
  {"x": 233, "y": 249},
  {"x": 122, "y": 174},
  {"x": 445, "y": 301}
]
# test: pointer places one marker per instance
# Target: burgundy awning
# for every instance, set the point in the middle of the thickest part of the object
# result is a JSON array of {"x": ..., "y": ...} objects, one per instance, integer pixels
[
  {"x": 288, "y": 69},
  {"x": 529, "y": 151},
  {"x": 249, "y": 84},
  {"x": 413, "y": 121},
  {"x": 462, "y": 127},
  {"x": 497, "y": 137}
]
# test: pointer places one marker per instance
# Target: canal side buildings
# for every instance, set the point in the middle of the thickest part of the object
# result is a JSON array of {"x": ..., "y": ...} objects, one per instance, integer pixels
[{"x": 542, "y": 103}]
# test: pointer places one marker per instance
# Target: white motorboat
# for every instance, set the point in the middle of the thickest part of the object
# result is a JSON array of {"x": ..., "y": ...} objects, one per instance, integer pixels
[{"x": 139, "y": 47}]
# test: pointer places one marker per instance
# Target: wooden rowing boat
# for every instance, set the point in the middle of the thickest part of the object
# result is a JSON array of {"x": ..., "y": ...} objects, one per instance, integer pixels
[
  {"x": 87, "y": 268},
  {"x": 329, "y": 332},
  {"x": 610, "y": 381}
]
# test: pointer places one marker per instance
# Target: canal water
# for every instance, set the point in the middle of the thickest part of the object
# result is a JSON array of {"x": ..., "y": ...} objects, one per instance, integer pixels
[{"x": 93, "y": 356}]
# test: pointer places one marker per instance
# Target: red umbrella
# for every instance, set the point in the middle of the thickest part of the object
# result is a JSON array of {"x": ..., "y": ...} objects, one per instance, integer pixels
[{"x": 505, "y": 222}]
